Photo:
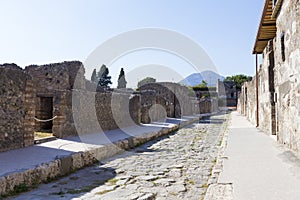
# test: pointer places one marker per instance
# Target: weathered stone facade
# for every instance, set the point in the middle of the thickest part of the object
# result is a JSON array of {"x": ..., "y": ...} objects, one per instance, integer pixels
[
  {"x": 94, "y": 112},
  {"x": 53, "y": 83},
  {"x": 163, "y": 99},
  {"x": 16, "y": 108},
  {"x": 46, "y": 92},
  {"x": 279, "y": 76},
  {"x": 227, "y": 91},
  {"x": 57, "y": 98},
  {"x": 247, "y": 101},
  {"x": 207, "y": 105}
]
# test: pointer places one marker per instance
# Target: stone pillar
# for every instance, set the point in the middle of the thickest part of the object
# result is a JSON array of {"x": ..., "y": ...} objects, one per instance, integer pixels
[{"x": 29, "y": 107}]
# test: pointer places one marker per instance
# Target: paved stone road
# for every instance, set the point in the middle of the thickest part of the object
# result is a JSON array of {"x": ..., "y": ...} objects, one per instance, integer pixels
[{"x": 174, "y": 167}]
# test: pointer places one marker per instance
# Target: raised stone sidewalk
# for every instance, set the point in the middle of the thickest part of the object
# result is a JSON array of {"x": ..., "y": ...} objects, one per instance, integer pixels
[
  {"x": 254, "y": 166},
  {"x": 47, "y": 161}
]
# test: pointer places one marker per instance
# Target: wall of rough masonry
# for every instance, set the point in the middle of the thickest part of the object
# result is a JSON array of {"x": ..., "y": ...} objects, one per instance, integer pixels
[
  {"x": 227, "y": 91},
  {"x": 162, "y": 99},
  {"x": 55, "y": 81},
  {"x": 208, "y": 105},
  {"x": 264, "y": 94},
  {"x": 94, "y": 111},
  {"x": 60, "y": 91},
  {"x": 54, "y": 85},
  {"x": 158, "y": 99},
  {"x": 279, "y": 86},
  {"x": 287, "y": 74},
  {"x": 247, "y": 100},
  {"x": 16, "y": 108}
]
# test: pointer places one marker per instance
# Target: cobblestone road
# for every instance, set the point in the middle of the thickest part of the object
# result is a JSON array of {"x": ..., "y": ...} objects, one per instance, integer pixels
[{"x": 174, "y": 167}]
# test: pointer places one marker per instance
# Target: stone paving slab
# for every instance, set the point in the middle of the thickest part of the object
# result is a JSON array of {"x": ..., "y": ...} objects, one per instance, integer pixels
[
  {"x": 175, "y": 166},
  {"x": 46, "y": 161},
  {"x": 219, "y": 192}
]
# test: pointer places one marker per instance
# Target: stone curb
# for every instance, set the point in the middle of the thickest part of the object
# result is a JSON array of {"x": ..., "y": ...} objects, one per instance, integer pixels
[
  {"x": 215, "y": 190},
  {"x": 62, "y": 166}
]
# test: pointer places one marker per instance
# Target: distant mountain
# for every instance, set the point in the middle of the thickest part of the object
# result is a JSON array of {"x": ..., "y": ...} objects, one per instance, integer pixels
[{"x": 196, "y": 78}]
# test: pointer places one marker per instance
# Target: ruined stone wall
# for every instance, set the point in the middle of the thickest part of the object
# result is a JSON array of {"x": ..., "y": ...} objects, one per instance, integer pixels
[
  {"x": 208, "y": 105},
  {"x": 54, "y": 82},
  {"x": 171, "y": 100},
  {"x": 154, "y": 108},
  {"x": 247, "y": 100},
  {"x": 47, "y": 91},
  {"x": 287, "y": 74},
  {"x": 56, "y": 77},
  {"x": 227, "y": 92},
  {"x": 264, "y": 94},
  {"x": 279, "y": 86},
  {"x": 94, "y": 112},
  {"x": 16, "y": 108},
  {"x": 241, "y": 102}
]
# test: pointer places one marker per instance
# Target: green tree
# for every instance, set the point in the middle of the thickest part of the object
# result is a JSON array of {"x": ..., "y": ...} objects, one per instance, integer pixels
[
  {"x": 94, "y": 76},
  {"x": 104, "y": 79},
  {"x": 201, "y": 85},
  {"x": 101, "y": 71},
  {"x": 238, "y": 79},
  {"x": 121, "y": 80},
  {"x": 146, "y": 81}
]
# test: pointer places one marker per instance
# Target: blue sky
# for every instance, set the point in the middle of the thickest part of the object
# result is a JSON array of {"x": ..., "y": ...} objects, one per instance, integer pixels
[{"x": 46, "y": 31}]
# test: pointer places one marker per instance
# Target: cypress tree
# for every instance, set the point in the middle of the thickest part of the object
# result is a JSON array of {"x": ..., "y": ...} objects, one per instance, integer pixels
[{"x": 121, "y": 80}]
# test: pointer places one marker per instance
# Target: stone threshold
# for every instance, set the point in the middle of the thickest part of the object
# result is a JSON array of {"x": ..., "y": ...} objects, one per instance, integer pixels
[
  {"x": 63, "y": 165},
  {"x": 43, "y": 140}
]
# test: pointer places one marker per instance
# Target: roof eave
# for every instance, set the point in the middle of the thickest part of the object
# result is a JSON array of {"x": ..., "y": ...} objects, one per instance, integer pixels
[{"x": 267, "y": 22}]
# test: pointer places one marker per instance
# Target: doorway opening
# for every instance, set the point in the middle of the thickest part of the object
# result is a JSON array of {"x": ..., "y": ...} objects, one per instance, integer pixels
[
  {"x": 44, "y": 114},
  {"x": 272, "y": 89}
]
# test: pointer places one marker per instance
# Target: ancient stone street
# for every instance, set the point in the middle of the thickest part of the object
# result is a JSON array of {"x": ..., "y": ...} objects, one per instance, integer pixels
[{"x": 174, "y": 167}]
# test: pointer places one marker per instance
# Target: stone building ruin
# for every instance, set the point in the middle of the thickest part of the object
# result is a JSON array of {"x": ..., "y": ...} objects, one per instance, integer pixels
[
  {"x": 53, "y": 85},
  {"x": 57, "y": 98},
  {"x": 227, "y": 91},
  {"x": 173, "y": 97},
  {"x": 272, "y": 99}
]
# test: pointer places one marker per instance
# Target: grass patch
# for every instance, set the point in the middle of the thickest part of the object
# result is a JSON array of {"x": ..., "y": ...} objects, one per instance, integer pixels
[
  {"x": 40, "y": 135},
  {"x": 85, "y": 189},
  {"x": 74, "y": 191},
  {"x": 191, "y": 182},
  {"x": 215, "y": 161},
  {"x": 205, "y": 185},
  {"x": 112, "y": 181},
  {"x": 58, "y": 193},
  {"x": 220, "y": 143},
  {"x": 103, "y": 192},
  {"x": 99, "y": 182},
  {"x": 21, "y": 188},
  {"x": 173, "y": 193},
  {"x": 18, "y": 189}
]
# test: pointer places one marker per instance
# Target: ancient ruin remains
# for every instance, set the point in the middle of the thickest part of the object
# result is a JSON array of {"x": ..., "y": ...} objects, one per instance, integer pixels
[
  {"x": 272, "y": 99},
  {"x": 57, "y": 98}
]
